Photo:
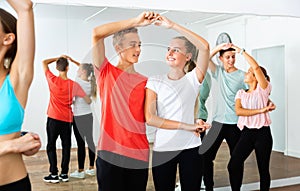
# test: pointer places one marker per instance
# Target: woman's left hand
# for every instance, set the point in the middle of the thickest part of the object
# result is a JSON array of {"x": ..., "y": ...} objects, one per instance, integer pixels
[{"x": 164, "y": 21}]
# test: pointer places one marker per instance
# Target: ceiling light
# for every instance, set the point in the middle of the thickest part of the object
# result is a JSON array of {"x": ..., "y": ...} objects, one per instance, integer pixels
[{"x": 90, "y": 17}]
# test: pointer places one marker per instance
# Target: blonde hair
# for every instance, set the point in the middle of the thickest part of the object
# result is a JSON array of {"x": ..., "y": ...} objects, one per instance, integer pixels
[
  {"x": 90, "y": 74},
  {"x": 190, "y": 48}
]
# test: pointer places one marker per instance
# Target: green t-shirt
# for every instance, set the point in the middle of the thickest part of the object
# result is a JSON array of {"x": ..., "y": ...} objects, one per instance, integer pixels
[{"x": 203, "y": 95}]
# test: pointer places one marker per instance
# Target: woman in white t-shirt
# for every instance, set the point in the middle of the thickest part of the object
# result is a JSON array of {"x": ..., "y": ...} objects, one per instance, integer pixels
[
  {"x": 83, "y": 120},
  {"x": 252, "y": 106},
  {"x": 169, "y": 106}
]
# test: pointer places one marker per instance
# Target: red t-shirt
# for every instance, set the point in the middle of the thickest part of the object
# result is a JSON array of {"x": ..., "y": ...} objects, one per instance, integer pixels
[
  {"x": 61, "y": 96},
  {"x": 123, "y": 129}
]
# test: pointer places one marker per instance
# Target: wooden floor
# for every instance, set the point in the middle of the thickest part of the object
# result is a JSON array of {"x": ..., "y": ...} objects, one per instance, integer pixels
[{"x": 281, "y": 167}]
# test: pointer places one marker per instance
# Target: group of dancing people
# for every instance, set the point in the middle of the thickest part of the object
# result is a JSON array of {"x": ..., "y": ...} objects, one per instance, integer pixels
[{"x": 170, "y": 102}]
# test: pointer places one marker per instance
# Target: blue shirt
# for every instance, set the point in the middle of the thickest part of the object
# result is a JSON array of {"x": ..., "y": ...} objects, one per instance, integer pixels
[
  {"x": 228, "y": 86},
  {"x": 11, "y": 111}
]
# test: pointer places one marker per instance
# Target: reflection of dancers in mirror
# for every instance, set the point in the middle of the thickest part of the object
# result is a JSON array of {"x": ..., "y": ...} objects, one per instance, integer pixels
[
  {"x": 123, "y": 149},
  {"x": 201, "y": 109},
  {"x": 169, "y": 106},
  {"x": 253, "y": 106},
  {"x": 224, "y": 126},
  {"x": 16, "y": 73},
  {"x": 83, "y": 119},
  {"x": 60, "y": 115}
]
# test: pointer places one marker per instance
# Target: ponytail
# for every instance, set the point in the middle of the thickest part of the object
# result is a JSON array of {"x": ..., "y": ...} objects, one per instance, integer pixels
[
  {"x": 265, "y": 73},
  {"x": 191, "y": 48},
  {"x": 93, "y": 85},
  {"x": 91, "y": 76}
]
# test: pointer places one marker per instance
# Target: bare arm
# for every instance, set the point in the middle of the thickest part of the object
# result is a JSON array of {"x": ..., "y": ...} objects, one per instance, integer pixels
[
  {"x": 154, "y": 120},
  {"x": 87, "y": 99},
  {"x": 240, "y": 111},
  {"x": 28, "y": 144},
  {"x": 259, "y": 75},
  {"x": 103, "y": 31},
  {"x": 74, "y": 61},
  {"x": 201, "y": 44},
  {"x": 212, "y": 65},
  {"x": 22, "y": 66},
  {"x": 47, "y": 62}
]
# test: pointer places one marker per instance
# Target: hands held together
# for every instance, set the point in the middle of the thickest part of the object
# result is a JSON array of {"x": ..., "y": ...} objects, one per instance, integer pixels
[
  {"x": 29, "y": 144},
  {"x": 201, "y": 126},
  {"x": 149, "y": 17}
]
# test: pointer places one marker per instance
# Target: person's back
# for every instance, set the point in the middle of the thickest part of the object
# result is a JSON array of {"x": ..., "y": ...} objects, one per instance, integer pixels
[
  {"x": 61, "y": 97},
  {"x": 60, "y": 115}
]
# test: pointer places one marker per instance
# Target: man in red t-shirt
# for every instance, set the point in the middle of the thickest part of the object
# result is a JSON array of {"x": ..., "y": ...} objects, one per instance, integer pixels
[
  {"x": 123, "y": 149},
  {"x": 60, "y": 115}
]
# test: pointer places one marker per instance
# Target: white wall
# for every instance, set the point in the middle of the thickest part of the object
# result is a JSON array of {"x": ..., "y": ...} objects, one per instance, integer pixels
[
  {"x": 255, "y": 32},
  {"x": 62, "y": 35}
]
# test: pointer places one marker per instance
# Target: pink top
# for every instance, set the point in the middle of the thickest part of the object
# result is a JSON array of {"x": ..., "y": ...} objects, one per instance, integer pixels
[{"x": 254, "y": 100}]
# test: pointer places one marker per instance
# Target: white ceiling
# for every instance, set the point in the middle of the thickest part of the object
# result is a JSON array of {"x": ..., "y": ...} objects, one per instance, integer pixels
[
  {"x": 258, "y": 7},
  {"x": 113, "y": 14}
]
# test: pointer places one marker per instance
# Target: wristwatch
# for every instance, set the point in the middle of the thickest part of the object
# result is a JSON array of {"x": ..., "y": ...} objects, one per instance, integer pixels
[{"x": 242, "y": 51}]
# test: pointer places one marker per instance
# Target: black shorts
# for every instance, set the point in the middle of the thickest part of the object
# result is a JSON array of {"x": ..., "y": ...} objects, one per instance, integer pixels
[{"x": 23, "y": 184}]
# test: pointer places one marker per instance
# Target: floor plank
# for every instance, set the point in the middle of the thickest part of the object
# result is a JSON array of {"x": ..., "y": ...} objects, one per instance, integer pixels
[{"x": 281, "y": 167}]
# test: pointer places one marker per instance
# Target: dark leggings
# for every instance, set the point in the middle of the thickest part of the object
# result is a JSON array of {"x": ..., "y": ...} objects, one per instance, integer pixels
[
  {"x": 116, "y": 172},
  {"x": 55, "y": 129},
  {"x": 83, "y": 130},
  {"x": 231, "y": 133},
  {"x": 23, "y": 184},
  {"x": 259, "y": 140},
  {"x": 165, "y": 166}
]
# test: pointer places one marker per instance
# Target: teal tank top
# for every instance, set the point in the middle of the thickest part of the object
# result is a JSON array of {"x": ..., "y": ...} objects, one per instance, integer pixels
[{"x": 11, "y": 111}]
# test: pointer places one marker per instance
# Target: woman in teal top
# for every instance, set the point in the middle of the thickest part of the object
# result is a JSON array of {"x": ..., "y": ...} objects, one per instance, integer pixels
[
  {"x": 16, "y": 74},
  {"x": 203, "y": 95}
]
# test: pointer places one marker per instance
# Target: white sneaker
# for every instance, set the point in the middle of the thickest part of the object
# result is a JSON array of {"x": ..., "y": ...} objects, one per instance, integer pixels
[
  {"x": 77, "y": 174},
  {"x": 90, "y": 172}
]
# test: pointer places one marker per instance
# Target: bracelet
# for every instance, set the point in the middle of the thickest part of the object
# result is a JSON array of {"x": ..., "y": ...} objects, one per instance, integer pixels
[{"x": 242, "y": 51}]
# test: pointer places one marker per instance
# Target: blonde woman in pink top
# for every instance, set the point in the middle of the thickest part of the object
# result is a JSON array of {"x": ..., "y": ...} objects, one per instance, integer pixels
[{"x": 252, "y": 106}]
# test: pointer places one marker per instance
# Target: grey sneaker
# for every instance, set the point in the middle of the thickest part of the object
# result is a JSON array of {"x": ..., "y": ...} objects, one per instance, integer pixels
[
  {"x": 77, "y": 174},
  {"x": 90, "y": 172}
]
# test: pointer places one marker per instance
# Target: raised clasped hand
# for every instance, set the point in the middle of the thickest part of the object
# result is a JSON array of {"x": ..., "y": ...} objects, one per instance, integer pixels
[{"x": 147, "y": 18}]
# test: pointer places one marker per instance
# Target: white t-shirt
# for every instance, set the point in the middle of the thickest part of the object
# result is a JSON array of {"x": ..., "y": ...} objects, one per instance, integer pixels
[
  {"x": 175, "y": 101},
  {"x": 80, "y": 107}
]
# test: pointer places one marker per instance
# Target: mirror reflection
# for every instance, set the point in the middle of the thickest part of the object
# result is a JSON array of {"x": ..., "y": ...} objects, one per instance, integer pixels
[{"x": 271, "y": 40}]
